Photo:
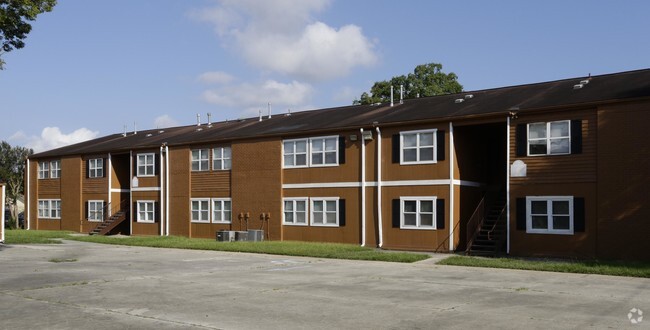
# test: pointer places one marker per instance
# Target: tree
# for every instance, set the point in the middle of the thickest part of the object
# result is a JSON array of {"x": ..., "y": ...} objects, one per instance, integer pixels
[
  {"x": 14, "y": 18},
  {"x": 426, "y": 80},
  {"x": 12, "y": 172}
]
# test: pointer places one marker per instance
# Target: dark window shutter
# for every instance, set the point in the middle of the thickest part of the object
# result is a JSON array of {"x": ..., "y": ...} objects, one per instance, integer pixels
[
  {"x": 396, "y": 149},
  {"x": 87, "y": 168},
  {"x": 521, "y": 214},
  {"x": 86, "y": 210},
  {"x": 521, "y": 140},
  {"x": 576, "y": 136},
  {"x": 440, "y": 147},
  {"x": 396, "y": 213},
  {"x": 341, "y": 212},
  {"x": 104, "y": 167},
  {"x": 156, "y": 165},
  {"x": 341, "y": 149},
  {"x": 578, "y": 214},
  {"x": 440, "y": 213}
]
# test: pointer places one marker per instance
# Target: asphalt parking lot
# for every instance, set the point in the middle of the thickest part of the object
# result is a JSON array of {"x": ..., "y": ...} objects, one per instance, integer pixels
[{"x": 83, "y": 285}]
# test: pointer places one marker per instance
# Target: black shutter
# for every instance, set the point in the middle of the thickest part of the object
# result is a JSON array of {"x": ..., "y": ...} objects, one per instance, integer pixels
[
  {"x": 521, "y": 140},
  {"x": 341, "y": 212},
  {"x": 396, "y": 149},
  {"x": 521, "y": 214},
  {"x": 578, "y": 214},
  {"x": 156, "y": 168},
  {"x": 87, "y": 168},
  {"x": 576, "y": 136},
  {"x": 341, "y": 149},
  {"x": 396, "y": 213},
  {"x": 104, "y": 167},
  {"x": 86, "y": 210},
  {"x": 440, "y": 147},
  {"x": 440, "y": 213}
]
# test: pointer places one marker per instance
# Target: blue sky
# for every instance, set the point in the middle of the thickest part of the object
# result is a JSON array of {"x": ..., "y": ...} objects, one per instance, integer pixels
[{"x": 91, "y": 67}]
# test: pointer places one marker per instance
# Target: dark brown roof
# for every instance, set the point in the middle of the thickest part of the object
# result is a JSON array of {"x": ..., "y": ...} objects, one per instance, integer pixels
[{"x": 561, "y": 93}]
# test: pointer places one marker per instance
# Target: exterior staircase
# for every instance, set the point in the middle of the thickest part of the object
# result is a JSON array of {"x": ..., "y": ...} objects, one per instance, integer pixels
[
  {"x": 489, "y": 236},
  {"x": 107, "y": 225}
]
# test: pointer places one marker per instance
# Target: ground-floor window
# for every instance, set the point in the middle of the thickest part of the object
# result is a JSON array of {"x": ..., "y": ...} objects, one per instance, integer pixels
[
  {"x": 200, "y": 210},
  {"x": 221, "y": 210},
  {"x": 146, "y": 211},
  {"x": 95, "y": 211},
  {"x": 49, "y": 208},
  {"x": 314, "y": 211},
  {"x": 418, "y": 212},
  {"x": 295, "y": 211},
  {"x": 325, "y": 211},
  {"x": 549, "y": 215}
]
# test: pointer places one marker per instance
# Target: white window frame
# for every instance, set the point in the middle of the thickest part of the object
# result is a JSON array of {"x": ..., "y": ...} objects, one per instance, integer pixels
[
  {"x": 43, "y": 170},
  {"x": 548, "y": 138},
  {"x": 49, "y": 209},
  {"x": 200, "y": 210},
  {"x": 324, "y": 200},
  {"x": 219, "y": 154},
  {"x": 311, "y": 151},
  {"x": 294, "y": 212},
  {"x": 151, "y": 211},
  {"x": 92, "y": 216},
  {"x": 204, "y": 156},
  {"x": 95, "y": 165},
  {"x": 293, "y": 153},
  {"x": 418, "y": 223},
  {"x": 55, "y": 169},
  {"x": 142, "y": 163},
  {"x": 222, "y": 213},
  {"x": 549, "y": 214},
  {"x": 433, "y": 131}
]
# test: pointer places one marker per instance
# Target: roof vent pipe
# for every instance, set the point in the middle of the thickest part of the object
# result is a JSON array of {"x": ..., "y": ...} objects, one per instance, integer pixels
[
  {"x": 124, "y": 134},
  {"x": 198, "y": 119},
  {"x": 391, "y": 96},
  {"x": 135, "y": 127},
  {"x": 260, "y": 111},
  {"x": 209, "y": 120},
  {"x": 401, "y": 94},
  {"x": 269, "y": 110}
]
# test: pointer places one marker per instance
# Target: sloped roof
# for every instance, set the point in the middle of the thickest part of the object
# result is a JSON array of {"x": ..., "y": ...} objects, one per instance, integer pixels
[{"x": 560, "y": 93}]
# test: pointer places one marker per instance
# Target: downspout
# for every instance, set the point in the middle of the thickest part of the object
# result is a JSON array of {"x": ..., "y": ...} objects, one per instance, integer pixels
[
  {"x": 29, "y": 192},
  {"x": 167, "y": 190},
  {"x": 131, "y": 192},
  {"x": 109, "y": 167},
  {"x": 451, "y": 187},
  {"x": 379, "y": 201},
  {"x": 508, "y": 186},
  {"x": 363, "y": 189},
  {"x": 162, "y": 216}
]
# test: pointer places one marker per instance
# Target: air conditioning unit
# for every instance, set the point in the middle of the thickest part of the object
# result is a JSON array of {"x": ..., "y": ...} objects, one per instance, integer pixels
[
  {"x": 255, "y": 235},
  {"x": 225, "y": 236},
  {"x": 241, "y": 236}
]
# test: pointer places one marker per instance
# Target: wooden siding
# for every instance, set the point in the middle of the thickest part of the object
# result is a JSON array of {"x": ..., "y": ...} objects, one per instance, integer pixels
[
  {"x": 71, "y": 199},
  {"x": 50, "y": 187},
  {"x": 179, "y": 191},
  {"x": 210, "y": 184}
]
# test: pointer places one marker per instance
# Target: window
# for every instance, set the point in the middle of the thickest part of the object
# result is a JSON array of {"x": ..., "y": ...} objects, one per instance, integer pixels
[
  {"x": 43, "y": 170},
  {"x": 324, "y": 151},
  {"x": 418, "y": 147},
  {"x": 221, "y": 210},
  {"x": 549, "y": 215},
  {"x": 295, "y": 153},
  {"x": 552, "y": 138},
  {"x": 221, "y": 158},
  {"x": 146, "y": 165},
  {"x": 96, "y": 168},
  {"x": 418, "y": 213},
  {"x": 55, "y": 169},
  {"x": 324, "y": 211},
  {"x": 200, "y": 160},
  {"x": 295, "y": 211},
  {"x": 49, "y": 208},
  {"x": 200, "y": 209},
  {"x": 95, "y": 211},
  {"x": 145, "y": 211}
]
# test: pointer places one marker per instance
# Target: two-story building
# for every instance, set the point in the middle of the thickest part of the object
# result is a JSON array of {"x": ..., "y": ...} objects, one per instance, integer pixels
[{"x": 558, "y": 168}]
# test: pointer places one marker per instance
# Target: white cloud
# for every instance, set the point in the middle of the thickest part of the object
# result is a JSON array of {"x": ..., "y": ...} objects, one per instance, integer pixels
[
  {"x": 281, "y": 36},
  {"x": 215, "y": 77},
  {"x": 52, "y": 138},
  {"x": 164, "y": 121},
  {"x": 254, "y": 97}
]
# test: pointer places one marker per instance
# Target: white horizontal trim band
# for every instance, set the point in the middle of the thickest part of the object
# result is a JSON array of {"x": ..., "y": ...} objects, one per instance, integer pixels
[
  {"x": 146, "y": 189},
  {"x": 117, "y": 190},
  {"x": 383, "y": 183}
]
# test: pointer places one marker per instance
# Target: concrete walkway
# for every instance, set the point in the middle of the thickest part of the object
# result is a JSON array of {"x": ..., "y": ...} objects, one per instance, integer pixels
[{"x": 83, "y": 285}]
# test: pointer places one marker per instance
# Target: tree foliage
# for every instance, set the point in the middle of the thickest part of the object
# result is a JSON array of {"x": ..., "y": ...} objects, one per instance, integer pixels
[
  {"x": 15, "y": 16},
  {"x": 426, "y": 80},
  {"x": 12, "y": 171}
]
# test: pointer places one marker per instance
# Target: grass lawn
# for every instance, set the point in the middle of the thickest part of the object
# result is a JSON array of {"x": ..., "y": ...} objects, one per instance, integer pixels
[
  {"x": 304, "y": 249},
  {"x": 615, "y": 268}
]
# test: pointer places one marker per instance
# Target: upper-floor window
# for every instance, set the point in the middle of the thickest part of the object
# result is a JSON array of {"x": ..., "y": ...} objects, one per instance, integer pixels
[
  {"x": 43, "y": 170},
  {"x": 95, "y": 211},
  {"x": 418, "y": 147},
  {"x": 200, "y": 160},
  {"x": 549, "y": 214},
  {"x": 316, "y": 151},
  {"x": 55, "y": 169},
  {"x": 550, "y": 138},
  {"x": 145, "y": 211},
  {"x": 146, "y": 164},
  {"x": 221, "y": 158},
  {"x": 49, "y": 208},
  {"x": 418, "y": 212},
  {"x": 96, "y": 168}
]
